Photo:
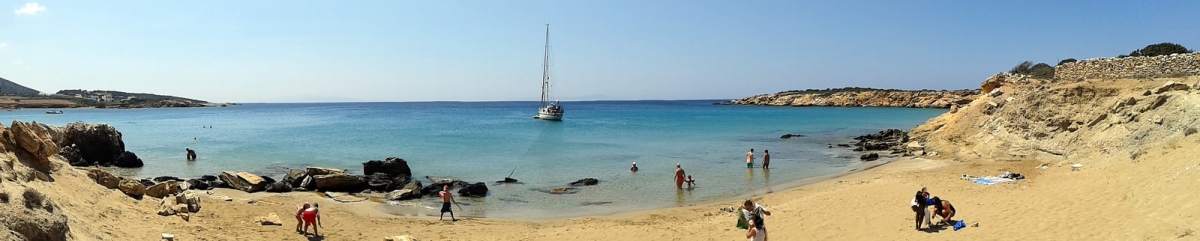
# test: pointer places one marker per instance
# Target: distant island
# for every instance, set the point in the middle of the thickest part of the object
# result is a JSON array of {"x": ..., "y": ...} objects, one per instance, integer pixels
[
  {"x": 861, "y": 97},
  {"x": 14, "y": 96}
]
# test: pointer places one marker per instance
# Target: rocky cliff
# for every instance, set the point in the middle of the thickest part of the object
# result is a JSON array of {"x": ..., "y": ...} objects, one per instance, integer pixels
[
  {"x": 1024, "y": 118},
  {"x": 857, "y": 97}
]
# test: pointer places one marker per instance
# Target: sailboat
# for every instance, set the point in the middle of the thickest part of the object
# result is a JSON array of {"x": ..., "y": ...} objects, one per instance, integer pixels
[{"x": 550, "y": 111}]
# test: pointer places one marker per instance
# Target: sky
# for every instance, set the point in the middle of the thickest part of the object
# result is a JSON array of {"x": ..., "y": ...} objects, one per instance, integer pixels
[{"x": 338, "y": 51}]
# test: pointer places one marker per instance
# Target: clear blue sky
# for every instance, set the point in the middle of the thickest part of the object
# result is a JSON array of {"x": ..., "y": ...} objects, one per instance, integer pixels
[{"x": 287, "y": 51}]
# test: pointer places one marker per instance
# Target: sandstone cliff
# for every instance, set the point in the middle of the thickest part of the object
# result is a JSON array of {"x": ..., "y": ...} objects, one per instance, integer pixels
[
  {"x": 1021, "y": 118},
  {"x": 855, "y": 97}
]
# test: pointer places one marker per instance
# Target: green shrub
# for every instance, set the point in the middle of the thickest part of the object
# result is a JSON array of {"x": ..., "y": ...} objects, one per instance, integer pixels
[
  {"x": 1160, "y": 49},
  {"x": 1040, "y": 70},
  {"x": 1068, "y": 60}
]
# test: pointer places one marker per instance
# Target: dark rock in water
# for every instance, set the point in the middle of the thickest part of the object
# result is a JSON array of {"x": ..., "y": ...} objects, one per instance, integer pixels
[
  {"x": 294, "y": 177},
  {"x": 890, "y": 139},
  {"x": 843, "y": 145},
  {"x": 208, "y": 178},
  {"x": 440, "y": 180},
  {"x": 398, "y": 182},
  {"x": 507, "y": 180},
  {"x": 267, "y": 179},
  {"x": 560, "y": 190},
  {"x": 585, "y": 182},
  {"x": 379, "y": 182},
  {"x": 71, "y": 154},
  {"x": 478, "y": 189},
  {"x": 167, "y": 178},
  {"x": 197, "y": 184},
  {"x": 431, "y": 190},
  {"x": 128, "y": 159},
  {"x": 786, "y": 136},
  {"x": 391, "y": 166},
  {"x": 95, "y": 143},
  {"x": 869, "y": 157},
  {"x": 279, "y": 187},
  {"x": 411, "y": 190},
  {"x": 146, "y": 182}
]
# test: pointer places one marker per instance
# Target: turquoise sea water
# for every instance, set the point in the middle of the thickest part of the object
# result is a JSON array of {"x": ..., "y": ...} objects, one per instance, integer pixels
[{"x": 484, "y": 141}]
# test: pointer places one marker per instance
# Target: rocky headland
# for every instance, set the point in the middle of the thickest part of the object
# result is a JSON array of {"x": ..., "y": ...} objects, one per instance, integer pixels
[{"x": 861, "y": 97}]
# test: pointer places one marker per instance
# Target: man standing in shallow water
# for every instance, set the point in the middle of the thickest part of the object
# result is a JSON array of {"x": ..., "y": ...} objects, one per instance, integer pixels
[
  {"x": 679, "y": 176},
  {"x": 750, "y": 158},
  {"x": 766, "y": 158}
]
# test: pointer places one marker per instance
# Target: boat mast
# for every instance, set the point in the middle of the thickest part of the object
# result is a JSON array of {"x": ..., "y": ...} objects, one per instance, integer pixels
[{"x": 546, "y": 69}]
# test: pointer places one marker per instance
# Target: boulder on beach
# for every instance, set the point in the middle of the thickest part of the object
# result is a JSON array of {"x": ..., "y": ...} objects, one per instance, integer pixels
[
  {"x": 71, "y": 154},
  {"x": 339, "y": 182},
  {"x": 279, "y": 187},
  {"x": 392, "y": 166},
  {"x": 166, "y": 178},
  {"x": 198, "y": 184},
  {"x": 128, "y": 159},
  {"x": 379, "y": 182},
  {"x": 398, "y": 182},
  {"x": 585, "y": 182},
  {"x": 132, "y": 188},
  {"x": 308, "y": 183},
  {"x": 294, "y": 177},
  {"x": 244, "y": 181},
  {"x": 869, "y": 157},
  {"x": 146, "y": 182},
  {"x": 104, "y": 178},
  {"x": 478, "y": 189},
  {"x": 163, "y": 189}
]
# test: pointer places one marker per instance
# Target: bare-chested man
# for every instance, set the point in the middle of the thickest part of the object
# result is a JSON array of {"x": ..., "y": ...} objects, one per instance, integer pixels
[
  {"x": 679, "y": 176},
  {"x": 750, "y": 158},
  {"x": 766, "y": 159},
  {"x": 447, "y": 198}
]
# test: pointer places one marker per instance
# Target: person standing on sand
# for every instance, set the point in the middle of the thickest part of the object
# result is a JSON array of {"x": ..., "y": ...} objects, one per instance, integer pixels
[
  {"x": 299, "y": 221},
  {"x": 919, "y": 203},
  {"x": 312, "y": 216},
  {"x": 753, "y": 213},
  {"x": 679, "y": 174},
  {"x": 750, "y": 158},
  {"x": 766, "y": 158},
  {"x": 447, "y": 198}
]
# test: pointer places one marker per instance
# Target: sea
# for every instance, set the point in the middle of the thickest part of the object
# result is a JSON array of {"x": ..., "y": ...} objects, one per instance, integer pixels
[{"x": 488, "y": 141}]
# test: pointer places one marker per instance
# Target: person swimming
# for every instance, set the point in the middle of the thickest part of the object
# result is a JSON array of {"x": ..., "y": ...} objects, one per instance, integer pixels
[{"x": 634, "y": 168}]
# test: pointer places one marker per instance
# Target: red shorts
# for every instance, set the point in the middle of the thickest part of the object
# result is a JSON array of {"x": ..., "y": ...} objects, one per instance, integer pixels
[{"x": 310, "y": 217}]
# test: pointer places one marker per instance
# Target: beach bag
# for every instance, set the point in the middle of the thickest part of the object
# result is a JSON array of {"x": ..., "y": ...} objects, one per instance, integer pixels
[{"x": 960, "y": 225}]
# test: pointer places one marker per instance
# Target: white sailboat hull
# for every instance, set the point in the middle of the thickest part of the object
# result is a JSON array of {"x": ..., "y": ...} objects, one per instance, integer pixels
[{"x": 548, "y": 113}]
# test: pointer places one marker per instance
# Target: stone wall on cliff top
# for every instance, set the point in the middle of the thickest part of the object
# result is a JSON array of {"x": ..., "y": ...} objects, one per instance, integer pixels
[{"x": 1174, "y": 65}]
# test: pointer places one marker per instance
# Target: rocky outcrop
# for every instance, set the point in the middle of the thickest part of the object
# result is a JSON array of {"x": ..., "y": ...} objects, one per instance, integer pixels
[
  {"x": 97, "y": 144},
  {"x": 392, "y": 166},
  {"x": 856, "y": 97},
  {"x": 294, "y": 177},
  {"x": 887, "y": 140},
  {"x": 39, "y": 218},
  {"x": 34, "y": 140},
  {"x": 789, "y": 136},
  {"x": 279, "y": 187},
  {"x": 869, "y": 157},
  {"x": 244, "y": 181}
]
